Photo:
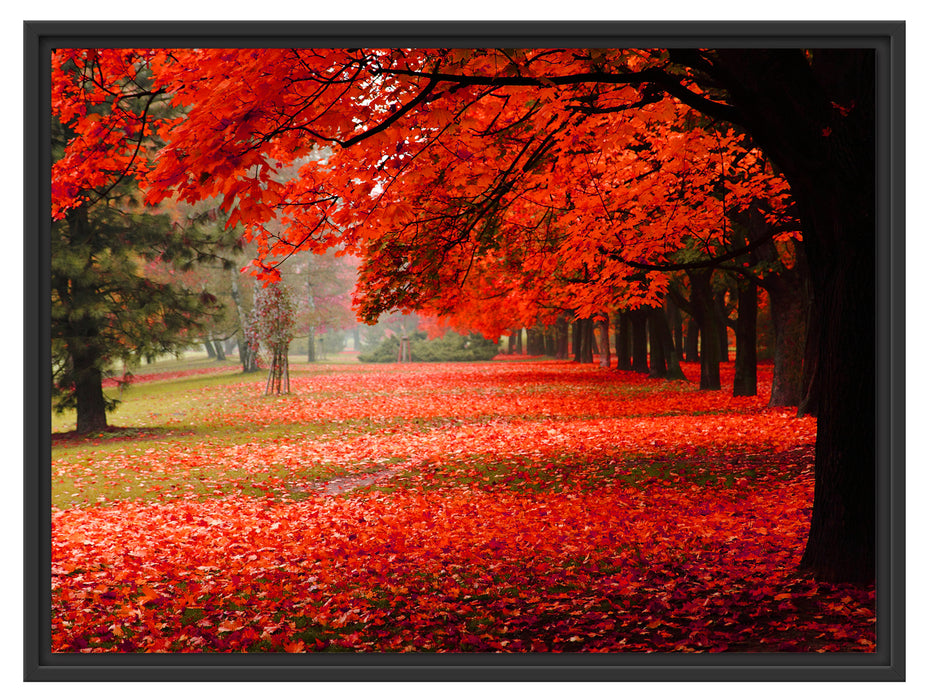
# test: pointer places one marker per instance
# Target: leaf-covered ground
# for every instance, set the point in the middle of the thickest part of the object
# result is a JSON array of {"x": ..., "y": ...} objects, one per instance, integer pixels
[{"x": 519, "y": 506}]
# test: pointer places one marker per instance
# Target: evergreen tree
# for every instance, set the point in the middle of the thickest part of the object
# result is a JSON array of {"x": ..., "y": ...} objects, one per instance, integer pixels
[{"x": 106, "y": 309}]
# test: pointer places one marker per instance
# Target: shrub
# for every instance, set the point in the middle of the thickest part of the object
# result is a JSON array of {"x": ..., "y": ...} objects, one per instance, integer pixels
[{"x": 452, "y": 347}]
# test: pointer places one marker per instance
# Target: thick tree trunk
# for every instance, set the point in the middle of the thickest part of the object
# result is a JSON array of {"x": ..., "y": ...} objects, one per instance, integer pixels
[
  {"x": 691, "y": 340},
  {"x": 842, "y": 541},
  {"x": 91, "y": 405},
  {"x": 586, "y": 328},
  {"x": 656, "y": 322},
  {"x": 562, "y": 338},
  {"x": 814, "y": 115},
  {"x": 706, "y": 316},
  {"x": 604, "y": 345},
  {"x": 638, "y": 326},
  {"x": 790, "y": 309},
  {"x": 808, "y": 406},
  {"x": 745, "y": 354},
  {"x": 841, "y": 544}
]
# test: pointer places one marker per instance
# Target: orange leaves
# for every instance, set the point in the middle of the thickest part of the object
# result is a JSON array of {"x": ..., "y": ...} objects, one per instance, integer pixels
[{"x": 453, "y": 192}]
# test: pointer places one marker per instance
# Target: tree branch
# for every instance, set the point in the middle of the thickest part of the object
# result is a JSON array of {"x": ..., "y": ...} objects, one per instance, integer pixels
[
  {"x": 653, "y": 76},
  {"x": 700, "y": 264}
]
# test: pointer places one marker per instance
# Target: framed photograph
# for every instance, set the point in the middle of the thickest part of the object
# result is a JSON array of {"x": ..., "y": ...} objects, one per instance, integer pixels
[{"x": 464, "y": 351}]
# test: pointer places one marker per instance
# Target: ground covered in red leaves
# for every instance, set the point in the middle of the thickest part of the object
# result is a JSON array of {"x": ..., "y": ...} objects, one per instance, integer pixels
[{"x": 509, "y": 507}]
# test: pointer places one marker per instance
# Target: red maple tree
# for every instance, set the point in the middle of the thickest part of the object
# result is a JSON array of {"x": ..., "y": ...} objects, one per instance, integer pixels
[{"x": 544, "y": 178}]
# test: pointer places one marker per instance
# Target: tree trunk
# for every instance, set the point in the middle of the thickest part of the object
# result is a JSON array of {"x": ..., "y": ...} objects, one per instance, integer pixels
[
  {"x": 789, "y": 289},
  {"x": 514, "y": 342},
  {"x": 536, "y": 341},
  {"x": 656, "y": 324},
  {"x": 673, "y": 368},
  {"x": 674, "y": 319},
  {"x": 814, "y": 115},
  {"x": 246, "y": 356},
  {"x": 720, "y": 310},
  {"x": 808, "y": 406},
  {"x": 312, "y": 344},
  {"x": 279, "y": 377},
  {"x": 622, "y": 341},
  {"x": 691, "y": 341},
  {"x": 745, "y": 357},
  {"x": 88, "y": 384},
  {"x": 585, "y": 354},
  {"x": 605, "y": 344},
  {"x": 790, "y": 309},
  {"x": 220, "y": 352},
  {"x": 638, "y": 325},
  {"x": 842, "y": 541},
  {"x": 211, "y": 352},
  {"x": 562, "y": 338},
  {"x": 576, "y": 340},
  {"x": 706, "y": 316}
]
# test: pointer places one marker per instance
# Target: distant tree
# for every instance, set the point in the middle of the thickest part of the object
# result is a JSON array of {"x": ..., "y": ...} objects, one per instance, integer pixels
[{"x": 272, "y": 329}]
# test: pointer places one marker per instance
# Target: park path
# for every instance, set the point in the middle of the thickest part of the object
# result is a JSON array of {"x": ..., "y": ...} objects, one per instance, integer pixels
[{"x": 350, "y": 482}]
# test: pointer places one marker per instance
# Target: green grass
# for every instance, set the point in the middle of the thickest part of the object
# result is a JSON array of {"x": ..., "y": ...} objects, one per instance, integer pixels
[
  {"x": 188, "y": 415},
  {"x": 567, "y": 472},
  {"x": 155, "y": 402},
  {"x": 184, "y": 414}
]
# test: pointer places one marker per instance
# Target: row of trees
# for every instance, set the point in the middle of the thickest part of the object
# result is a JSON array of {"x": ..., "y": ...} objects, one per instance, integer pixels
[
  {"x": 499, "y": 188},
  {"x": 653, "y": 339}
]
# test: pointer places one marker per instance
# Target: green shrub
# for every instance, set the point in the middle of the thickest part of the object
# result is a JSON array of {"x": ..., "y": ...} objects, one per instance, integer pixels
[{"x": 452, "y": 347}]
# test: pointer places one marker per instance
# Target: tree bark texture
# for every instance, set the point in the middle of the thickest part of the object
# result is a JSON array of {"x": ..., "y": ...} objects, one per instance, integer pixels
[
  {"x": 586, "y": 332},
  {"x": 703, "y": 307},
  {"x": 604, "y": 344},
  {"x": 745, "y": 379},
  {"x": 659, "y": 320},
  {"x": 720, "y": 310},
  {"x": 91, "y": 405},
  {"x": 691, "y": 340},
  {"x": 638, "y": 327},
  {"x": 562, "y": 338},
  {"x": 674, "y": 319},
  {"x": 656, "y": 322},
  {"x": 622, "y": 341},
  {"x": 814, "y": 115}
]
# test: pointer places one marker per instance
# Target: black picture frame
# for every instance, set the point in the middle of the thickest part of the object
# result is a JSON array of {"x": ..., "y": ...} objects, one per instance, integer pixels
[{"x": 887, "y": 664}]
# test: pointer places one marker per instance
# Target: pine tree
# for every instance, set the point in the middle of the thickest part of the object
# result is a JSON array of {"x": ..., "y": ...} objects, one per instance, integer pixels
[{"x": 105, "y": 310}]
